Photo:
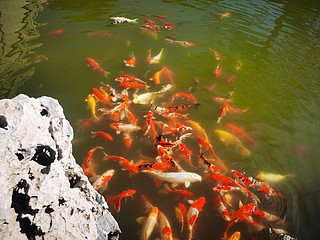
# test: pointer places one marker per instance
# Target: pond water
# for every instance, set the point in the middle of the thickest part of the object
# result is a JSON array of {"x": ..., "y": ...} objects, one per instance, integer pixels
[{"x": 270, "y": 59}]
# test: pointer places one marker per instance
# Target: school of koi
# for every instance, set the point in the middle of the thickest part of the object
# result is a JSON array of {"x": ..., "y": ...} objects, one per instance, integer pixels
[{"x": 167, "y": 128}]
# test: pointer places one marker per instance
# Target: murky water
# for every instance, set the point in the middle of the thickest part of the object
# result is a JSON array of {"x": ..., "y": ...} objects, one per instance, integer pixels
[{"x": 277, "y": 44}]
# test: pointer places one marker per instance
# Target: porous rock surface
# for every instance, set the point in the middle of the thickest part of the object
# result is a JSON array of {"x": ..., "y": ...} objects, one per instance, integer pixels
[{"x": 44, "y": 193}]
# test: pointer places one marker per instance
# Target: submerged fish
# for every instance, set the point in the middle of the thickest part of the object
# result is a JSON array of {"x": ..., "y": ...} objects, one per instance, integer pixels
[
  {"x": 117, "y": 20},
  {"x": 230, "y": 140}
]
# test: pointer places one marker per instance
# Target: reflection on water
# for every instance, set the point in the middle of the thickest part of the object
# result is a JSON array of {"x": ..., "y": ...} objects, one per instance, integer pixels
[
  {"x": 18, "y": 29},
  {"x": 276, "y": 42}
]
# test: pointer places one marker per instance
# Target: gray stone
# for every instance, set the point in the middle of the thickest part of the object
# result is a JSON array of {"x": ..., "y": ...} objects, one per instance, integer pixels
[{"x": 44, "y": 193}]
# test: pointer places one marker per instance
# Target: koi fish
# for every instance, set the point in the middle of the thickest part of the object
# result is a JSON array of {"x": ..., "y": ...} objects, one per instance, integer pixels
[
  {"x": 231, "y": 140},
  {"x": 181, "y": 43},
  {"x": 216, "y": 54},
  {"x": 245, "y": 181},
  {"x": 131, "y": 62},
  {"x": 240, "y": 133},
  {"x": 145, "y": 98},
  {"x": 222, "y": 180},
  {"x": 116, "y": 200},
  {"x": 227, "y": 14},
  {"x": 56, "y": 32},
  {"x": 221, "y": 207},
  {"x": 268, "y": 217},
  {"x": 183, "y": 193},
  {"x": 207, "y": 146},
  {"x": 127, "y": 139},
  {"x": 224, "y": 189},
  {"x": 155, "y": 59},
  {"x": 150, "y": 22},
  {"x": 102, "y": 135},
  {"x": 174, "y": 115},
  {"x": 193, "y": 213},
  {"x": 117, "y": 20},
  {"x": 234, "y": 236},
  {"x": 224, "y": 110},
  {"x": 123, "y": 127},
  {"x": 211, "y": 168},
  {"x": 149, "y": 224},
  {"x": 238, "y": 65},
  {"x": 92, "y": 105},
  {"x": 239, "y": 215},
  {"x": 164, "y": 227},
  {"x": 186, "y": 153},
  {"x": 94, "y": 65},
  {"x": 221, "y": 100},
  {"x": 86, "y": 163},
  {"x": 176, "y": 177},
  {"x": 168, "y": 27},
  {"x": 134, "y": 85},
  {"x": 186, "y": 96},
  {"x": 269, "y": 191},
  {"x": 122, "y": 161},
  {"x": 101, "y": 183},
  {"x": 218, "y": 71},
  {"x": 181, "y": 214},
  {"x": 150, "y": 125},
  {"x": 271, "y": 177},
  {"x": 153, "y": 166},
  {"x": 99, "y": 96},
  {"x": 197, "y": 129},
  {"x": 101, "y": 33}
]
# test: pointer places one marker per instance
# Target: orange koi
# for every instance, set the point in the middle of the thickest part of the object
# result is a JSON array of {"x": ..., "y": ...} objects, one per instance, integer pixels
[
  {"x": 240, "y": 133},
  {"x": 155, "y": 59},
  {"x": 94, "y": 65},
  {"x": 222, "y": 180},
  {"x": 101, "y": 33},
  {"x": 86, "y": 163},
  {"x": 239, "y": 215},
  {"x": 211, "y": 88},
  {"x": 56, "y": 32},
  {"x": 84, "y": 124},
  {"x": 224, "y": 110},
  {"x": 150, "y": 125},
  {"x": 207, "y": 146},
  {"x": 218, "y": 71},
  {"x": 101, "y": 183},
  {"x": 122, "y": 161},
  {"x": 116, "y": 200},
  {"x": 185, "y": 152},
  {"x": 102, "y": 135},
  {"x": 238, "y": 65},
  {"x": 227, "y": 14},
  {"x": 221, "y": 207},
  {"x": 187, "y": 96},
  {"x": 193, "y": 213},
  {"x": 132, "y": 119},
  {"x": 134, "y": 85},
  {"x": 99, "y": 96},
  {"x": 156, "y": 76},
  {"x": 181, "y": 214},
  {"x": 127, "y": 139},
  {"x": 216, "y": 54},
  {"x": 230, "y": 79},
  {"x": 131, "y": 62},
  {"x": 153, "y": 166},
  {"x": 180, "y": 192},
  {"x": 150, "y": 22}
]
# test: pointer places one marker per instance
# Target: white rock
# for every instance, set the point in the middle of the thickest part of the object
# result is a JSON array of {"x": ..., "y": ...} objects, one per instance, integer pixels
[{"x": 44, "y": 193}]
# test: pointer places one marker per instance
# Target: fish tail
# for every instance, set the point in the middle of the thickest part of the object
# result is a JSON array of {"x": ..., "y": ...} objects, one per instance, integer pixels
[
  {"x": 106, "y": 74},
  {"x": 135, "y": 20}
]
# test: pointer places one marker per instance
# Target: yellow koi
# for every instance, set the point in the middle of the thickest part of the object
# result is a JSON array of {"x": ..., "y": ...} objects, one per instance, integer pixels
[
  {"x": 92, "y": 105},
  {"x": 198, "y": 130},
  {"x": 231, "y": 140}
]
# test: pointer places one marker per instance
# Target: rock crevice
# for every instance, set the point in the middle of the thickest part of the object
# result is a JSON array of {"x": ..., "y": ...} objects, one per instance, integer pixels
[{"x": 45, "y": 194}]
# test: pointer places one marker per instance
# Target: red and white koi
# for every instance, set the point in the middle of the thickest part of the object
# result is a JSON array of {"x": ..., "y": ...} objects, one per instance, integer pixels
[
  {"x": 218, "y": 71},
  {"x": 269, "y": 191},
  {"x": 149, "y": 224},
  {"x": 102, "y": 181},
  {"x": 223, "y": 211},
  {"x": 150, "y": 125},
  {"x": 222, "y": 180},
  {"x": 207, "y": 147},
  {"x": 193, "y": 213},
  {"x": 164, "y": 227},
  {"x": 155, "y": 59},
  {"x": 267, "y": 217}
]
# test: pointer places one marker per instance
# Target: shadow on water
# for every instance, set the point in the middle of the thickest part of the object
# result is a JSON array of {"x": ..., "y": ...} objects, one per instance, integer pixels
[{"x": 18, "y": 29}]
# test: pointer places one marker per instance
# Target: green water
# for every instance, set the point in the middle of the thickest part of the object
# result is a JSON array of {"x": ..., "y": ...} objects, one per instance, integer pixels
[{"x": 277, "y": 43}]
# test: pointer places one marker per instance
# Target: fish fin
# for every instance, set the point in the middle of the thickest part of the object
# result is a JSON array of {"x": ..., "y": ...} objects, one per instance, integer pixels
[
  {"x": 141, "y": 220},
  {"x": 187, "y": 184},
  {"x": 103, "y": 188},
  {"x": 118, "y": 132},
  {"x": 135, "y": 20},
  {"x": 94, "y": 178},
  {"x": 106, "y": 74}
]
